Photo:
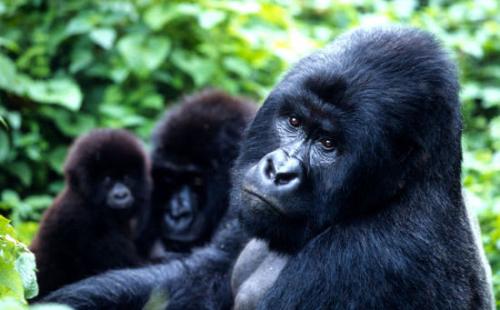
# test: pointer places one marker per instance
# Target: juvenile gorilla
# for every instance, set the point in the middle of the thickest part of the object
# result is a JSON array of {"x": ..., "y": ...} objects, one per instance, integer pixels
[
  {"x": 194, "y": 147},
  {"x": 88, "y": 228},
  {"x": 350, "y": 174}
]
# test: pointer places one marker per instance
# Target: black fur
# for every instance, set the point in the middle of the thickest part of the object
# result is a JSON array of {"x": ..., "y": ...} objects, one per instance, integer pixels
[
  {"x": 204, "y": 130},
  {"x": 379, "y": 221},
  {"x": 198, "y": 281},
  {"x": 194, "y": 147},
  {"x": 80, "y": 235}
]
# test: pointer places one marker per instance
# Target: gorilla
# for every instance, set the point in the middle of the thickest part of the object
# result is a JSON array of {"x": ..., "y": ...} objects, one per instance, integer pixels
[
  {"x": 88, "y": 228},
  {"x": 194, "y": 147},
  {"x": 349, "y": 180}
]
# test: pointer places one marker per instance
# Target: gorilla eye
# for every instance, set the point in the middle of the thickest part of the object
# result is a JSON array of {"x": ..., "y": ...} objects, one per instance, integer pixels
[
  {"x": 327, "y": 144},
  {"x": 294, "y": 121}
]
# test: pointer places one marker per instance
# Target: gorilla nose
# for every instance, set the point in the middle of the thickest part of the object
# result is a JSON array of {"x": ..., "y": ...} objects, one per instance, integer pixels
[
  {"x": 283, "y": 171},
  {"x": 120, "y": 196},
  {"x": 274, "y": 181},
  {"x": 179, "y": 217},
  {"x": 179, "y": 209},
  {"x": 121, "y": 193}
]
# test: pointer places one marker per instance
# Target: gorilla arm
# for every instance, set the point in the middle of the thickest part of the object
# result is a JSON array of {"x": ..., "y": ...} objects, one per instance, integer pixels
[{"x": 203, "y": 274}]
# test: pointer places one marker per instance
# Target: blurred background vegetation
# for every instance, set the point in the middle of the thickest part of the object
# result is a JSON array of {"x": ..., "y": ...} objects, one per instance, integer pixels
[{"x": 69, "y": 66}]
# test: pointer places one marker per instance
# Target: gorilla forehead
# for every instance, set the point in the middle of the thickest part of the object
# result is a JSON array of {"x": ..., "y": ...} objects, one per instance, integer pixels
[
  {"x": 198, "y": 128},
  {"x": 110, "y": 151},
  {"x": 399, "y": 75},
  {"x": 388, "y": 90}
]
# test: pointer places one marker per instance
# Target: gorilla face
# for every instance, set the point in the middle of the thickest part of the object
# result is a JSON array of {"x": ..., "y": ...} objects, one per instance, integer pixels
[
  {"x": 280, "y": 178},
  {"x": 194, "y": 148},
  {"x": 343, "y": 134},
  {"x": 285, "y": 193},
  {"x": 183, "y": 201},
  {"x": 119, "y": 196},
  {"x": 112, "y": 178}
]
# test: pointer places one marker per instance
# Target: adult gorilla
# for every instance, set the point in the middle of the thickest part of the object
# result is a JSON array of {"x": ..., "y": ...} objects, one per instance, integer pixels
[
  {"x": 351, "y": 173},
  {"x": 194, "y": 147}
]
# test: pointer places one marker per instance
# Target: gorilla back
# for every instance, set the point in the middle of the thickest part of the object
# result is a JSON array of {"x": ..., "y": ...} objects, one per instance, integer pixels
[{"x": 352, "y": 169}]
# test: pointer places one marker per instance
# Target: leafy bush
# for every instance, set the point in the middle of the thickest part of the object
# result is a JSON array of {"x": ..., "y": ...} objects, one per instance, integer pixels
[
  {"x": 17, "y": 269},
  {"x": 69, "y": 66}
]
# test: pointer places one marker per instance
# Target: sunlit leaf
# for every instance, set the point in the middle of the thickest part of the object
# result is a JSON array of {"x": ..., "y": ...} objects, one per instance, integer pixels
[
  {"x": 105, "y": 37},
  {"x": 143, "y": 54},
  {"x": 60, "y": 91}
]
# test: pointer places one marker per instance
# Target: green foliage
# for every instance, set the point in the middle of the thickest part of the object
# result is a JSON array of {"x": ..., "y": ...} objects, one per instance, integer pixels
[
  {"x": 69, "y": 66},
  {"x": 17, "y": 269}
]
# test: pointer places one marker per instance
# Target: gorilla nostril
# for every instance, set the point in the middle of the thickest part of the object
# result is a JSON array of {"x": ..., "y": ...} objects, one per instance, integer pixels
[
  {"x": 176, "y": 214},
  {"x": 285, "y": 178},
  {"x": 269, "y": 170}
]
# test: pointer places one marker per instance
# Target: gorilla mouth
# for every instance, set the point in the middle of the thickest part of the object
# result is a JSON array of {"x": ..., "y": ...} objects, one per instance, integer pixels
[
  {"x": 120, "y": 204},
  {"x": 260, "y": 197},
  {"x": 179, "y": 223}
]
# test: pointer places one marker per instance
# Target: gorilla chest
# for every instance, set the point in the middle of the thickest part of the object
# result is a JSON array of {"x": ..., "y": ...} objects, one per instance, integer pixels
[{"x": 255, "y": 271}]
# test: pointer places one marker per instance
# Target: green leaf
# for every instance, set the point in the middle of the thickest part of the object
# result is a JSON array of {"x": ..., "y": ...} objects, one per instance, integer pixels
[
  {"x": 209, "y": 19},
  {"x": 8, "y": 73},
  {"x": 6, "y": 229},
  {"x": 62, "y": 91},
  {"x": 80, "y": 59},
  {"x": 157, "y": 15},
  {"x": 238, "y": 66},
  {"x": 491, "y": 96},
  {"x": 153, "y": 101},
  {"x": 143, "y": 53},
  {"x": 4, "y": 146},
  {"x": 14, "y": 119},
  {"x": 9, "y": 199},
  {"x": 26, "y": 266},
  {"x": 26, "y": 230},
  {"x": 80, "y": 24},
  {"x": 39, "y": 202},
  {"x": 3, "y": 122},
  {"x": 56, "y": 158},
  {"x": 72, "y": 124},
  {"x": 12, "y": 304},
  {"x": 200, "y": 69},
  {"x": 9, "y": 45},
  {"x": 495, "y": 128},
  {"x": 11, "y": 284},
  {"x": 22, "y": 171},
  {"x": 160, "y": 14},
  {"x": 104, "y": 37}
]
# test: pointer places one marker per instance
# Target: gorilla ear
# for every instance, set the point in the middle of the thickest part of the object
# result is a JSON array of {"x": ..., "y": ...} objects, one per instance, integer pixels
[{"x": 329, "y": 88}]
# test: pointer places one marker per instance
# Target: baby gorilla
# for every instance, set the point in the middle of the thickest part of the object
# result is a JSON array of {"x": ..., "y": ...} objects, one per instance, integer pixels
[
  {"x": 194, "y": 147},
  {"x": 88, "y": 228}
]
